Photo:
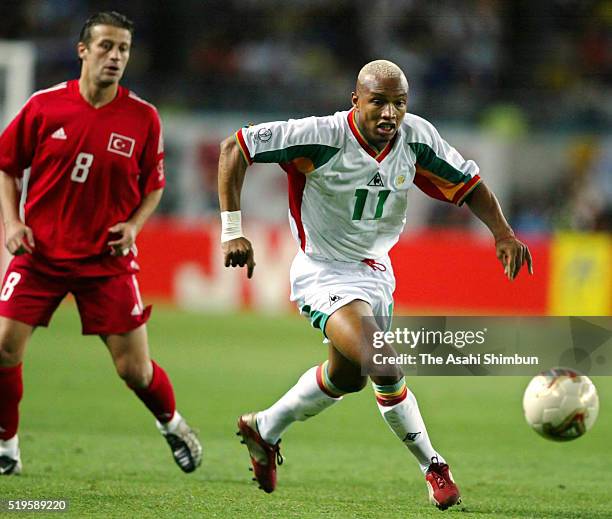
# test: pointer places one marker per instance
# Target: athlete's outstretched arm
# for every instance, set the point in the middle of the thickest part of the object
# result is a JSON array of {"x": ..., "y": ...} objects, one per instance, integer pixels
[
  {"x": 129, "y": 230},
  {"x": 18, "y": 236},
  {"x": 510, "y": 251},
  {"x": 237, "y": 250}
]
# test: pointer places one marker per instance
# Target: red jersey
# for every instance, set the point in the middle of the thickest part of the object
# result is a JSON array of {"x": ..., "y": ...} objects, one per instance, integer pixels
[{"x": 90, "y": 168}]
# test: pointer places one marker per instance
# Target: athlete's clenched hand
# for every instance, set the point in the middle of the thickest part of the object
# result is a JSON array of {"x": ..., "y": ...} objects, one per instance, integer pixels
[
  {"x": 238, "y": 253},
  {"x": 19, "y": 238},
  {"x": 126, "y": 232}
]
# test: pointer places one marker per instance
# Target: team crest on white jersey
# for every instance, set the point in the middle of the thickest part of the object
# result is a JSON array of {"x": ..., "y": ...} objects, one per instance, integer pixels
[
  {"x": 121, "y": 145},
  {"x": 376, "y": 181},
  {"x": 59, "y": 134},
  {"x": 264, "y": 134}
]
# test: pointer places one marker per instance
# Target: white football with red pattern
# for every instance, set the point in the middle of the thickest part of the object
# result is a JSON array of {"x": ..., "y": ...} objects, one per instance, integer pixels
[{"x": 561, "y": 404}]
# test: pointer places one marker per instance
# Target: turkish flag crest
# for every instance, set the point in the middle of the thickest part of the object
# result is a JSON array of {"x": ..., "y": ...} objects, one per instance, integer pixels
[{"x": 121, "y": 145}]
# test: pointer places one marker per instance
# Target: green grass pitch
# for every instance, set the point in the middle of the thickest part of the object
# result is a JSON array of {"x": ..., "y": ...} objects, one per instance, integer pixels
[{"x": 86, "y": 438}]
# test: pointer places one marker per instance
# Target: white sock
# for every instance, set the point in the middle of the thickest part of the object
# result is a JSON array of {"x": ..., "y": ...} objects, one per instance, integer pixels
[
  {"x": 404, "y": 419},
  {"x": 170, "y": 427},
  {"x": 302, "y": 401},
  {"x": 10, "y": 447}
]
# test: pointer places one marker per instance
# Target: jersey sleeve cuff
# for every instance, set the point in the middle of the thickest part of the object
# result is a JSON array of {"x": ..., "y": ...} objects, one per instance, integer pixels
[
  {"x": 151, "y": 188},
  {"x": 11, "y": 171},
  {"x": 243, "y": 147},
  {"x": 462, "y": 194}
]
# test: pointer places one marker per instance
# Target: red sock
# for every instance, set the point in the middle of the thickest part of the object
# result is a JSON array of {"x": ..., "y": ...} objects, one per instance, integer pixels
[
  {"x": 159, "y": 396},
  {"x": 11, "y": 391}
]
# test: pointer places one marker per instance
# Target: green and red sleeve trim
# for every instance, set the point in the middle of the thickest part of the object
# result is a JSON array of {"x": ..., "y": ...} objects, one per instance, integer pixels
[
  {"x": 462, "y": 194},
  {"x": 437, "y": 189},
  {"x": 439, "y": 179}
]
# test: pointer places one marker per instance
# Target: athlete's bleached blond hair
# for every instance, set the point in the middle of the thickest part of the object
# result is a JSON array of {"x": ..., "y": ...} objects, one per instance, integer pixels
[{"x": 380, "y": 68}]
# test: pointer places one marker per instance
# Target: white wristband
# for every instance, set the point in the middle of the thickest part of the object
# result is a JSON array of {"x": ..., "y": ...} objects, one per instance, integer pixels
[{"x": 231, "y": 225}]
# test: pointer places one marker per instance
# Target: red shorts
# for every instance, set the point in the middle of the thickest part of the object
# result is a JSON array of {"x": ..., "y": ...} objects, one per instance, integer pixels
[{"x": 107, "y": 304}]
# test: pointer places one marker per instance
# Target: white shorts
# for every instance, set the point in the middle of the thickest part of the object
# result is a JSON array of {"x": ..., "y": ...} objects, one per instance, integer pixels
[{"x": 320, "y": 287}]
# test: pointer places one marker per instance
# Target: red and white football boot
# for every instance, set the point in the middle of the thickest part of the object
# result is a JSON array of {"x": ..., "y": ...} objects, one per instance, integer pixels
[
  {"x": 443, "y": 493},
  {"x": 264, "y": 456}
]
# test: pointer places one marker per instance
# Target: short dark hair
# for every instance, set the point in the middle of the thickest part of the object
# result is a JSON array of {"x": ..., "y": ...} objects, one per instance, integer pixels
[{"x": 105, "y": 18}]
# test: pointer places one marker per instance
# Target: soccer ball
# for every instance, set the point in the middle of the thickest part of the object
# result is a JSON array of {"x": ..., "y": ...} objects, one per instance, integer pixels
[{"x": 561, "y": 404}]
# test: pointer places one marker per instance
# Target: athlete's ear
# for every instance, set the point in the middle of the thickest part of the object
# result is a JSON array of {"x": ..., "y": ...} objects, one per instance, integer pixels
[
  {"x": 354, "y": 99},
  {"x": 81, "y": 48}
]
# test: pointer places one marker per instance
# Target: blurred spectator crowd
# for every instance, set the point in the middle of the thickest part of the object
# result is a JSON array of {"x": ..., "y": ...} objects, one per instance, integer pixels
[
  {"x": 509, "y": 66},
  {"x": 551, "y": 60},
  {"x": 580, "y": 201}
]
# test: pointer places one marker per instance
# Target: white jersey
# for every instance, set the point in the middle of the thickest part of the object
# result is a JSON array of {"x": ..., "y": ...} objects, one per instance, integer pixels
[{"x": 347, "y": 200}]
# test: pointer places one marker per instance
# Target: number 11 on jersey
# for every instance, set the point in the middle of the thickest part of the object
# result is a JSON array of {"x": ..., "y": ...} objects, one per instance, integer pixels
[{"x": 362, "y": 195}]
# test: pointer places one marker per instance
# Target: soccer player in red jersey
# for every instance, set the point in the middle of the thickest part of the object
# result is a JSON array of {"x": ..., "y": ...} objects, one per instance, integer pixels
[{"x": 95, "y": 151}]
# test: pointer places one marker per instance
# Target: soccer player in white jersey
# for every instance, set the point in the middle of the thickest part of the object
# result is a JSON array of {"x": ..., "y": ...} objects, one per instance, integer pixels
[{"x": 349, "y": 174}]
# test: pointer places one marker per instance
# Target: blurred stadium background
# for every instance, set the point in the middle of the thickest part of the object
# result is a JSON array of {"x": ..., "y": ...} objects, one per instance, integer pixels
[{"x": 522, "y": 87}]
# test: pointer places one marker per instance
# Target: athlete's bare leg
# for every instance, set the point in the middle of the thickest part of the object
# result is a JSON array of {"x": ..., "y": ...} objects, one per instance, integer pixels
[
  {"x": 130, "y": 353},
  {"x": 324, "y": 385},
  {"x": 14, "y": 336},
  {"x": 349, "y": 334}
]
